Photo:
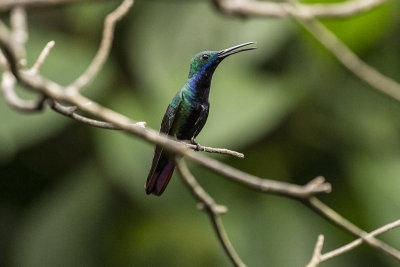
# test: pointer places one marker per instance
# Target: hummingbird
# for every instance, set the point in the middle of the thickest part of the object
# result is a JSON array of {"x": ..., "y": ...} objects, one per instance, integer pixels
[{"x": 187, "y": 113}]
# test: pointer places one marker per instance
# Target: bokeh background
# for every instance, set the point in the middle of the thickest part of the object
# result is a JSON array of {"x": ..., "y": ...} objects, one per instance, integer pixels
[{"x": 72, "y": 195}]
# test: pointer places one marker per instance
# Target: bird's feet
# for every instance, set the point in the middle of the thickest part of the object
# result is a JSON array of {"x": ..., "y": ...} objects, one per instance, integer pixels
[{"x": 196, "y": 144}]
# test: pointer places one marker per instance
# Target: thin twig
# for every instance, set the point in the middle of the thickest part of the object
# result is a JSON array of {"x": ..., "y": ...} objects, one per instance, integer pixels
[
  {"x": 104, "y": 48},
  {"x": 211, "y": 208},
  {"x": 351, "y": 61},
  {"x": 9, "y": 4},
  {"x": 316, "y": 258},
  {"x": 276, "y": 9},
  {"x": 325, "y": 211},
  {"x": 217, "y": 150},
  {"x": 42, "y": 57},
  {"x": 71, "y": 112},
  {"x": 357, "y": 242}
]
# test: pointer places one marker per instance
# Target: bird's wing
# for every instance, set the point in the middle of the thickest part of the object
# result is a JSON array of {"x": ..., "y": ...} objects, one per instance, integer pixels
[
  {"x": 201, "y": 121},
  {"x": 170, "y": 114},
  {"x": 166, "y": 126}
]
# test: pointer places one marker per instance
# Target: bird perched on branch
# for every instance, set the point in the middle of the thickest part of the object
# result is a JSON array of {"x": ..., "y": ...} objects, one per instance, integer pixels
[{"x": 187, "y": 113}]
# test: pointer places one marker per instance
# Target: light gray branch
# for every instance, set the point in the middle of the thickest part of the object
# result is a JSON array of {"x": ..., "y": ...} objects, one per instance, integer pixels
[
  {"x": 104, "y": 49},
  {"x": 351, "y": 61},
  {"x": 213, "y": 210},
  {"x": 56, "y": 92},
  {"x": 8, "y": 83},
  {"x": 325, "y": 211},
  {"x": 42, "y": 57},
  {"x": 19, "y": 34},
  {"x": 13, "y": 100},
  {"x": 217, "y": 150},
  {"x": 70, "y": 111},
  {"x": 9, "y": 4},
  {"x": 316, "y": 258},
  {"x": 282, "y": 9},
  {"x": 358, "y": 242}
]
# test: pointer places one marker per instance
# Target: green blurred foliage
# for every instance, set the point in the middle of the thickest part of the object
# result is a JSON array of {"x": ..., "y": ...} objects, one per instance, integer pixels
[{"x": 72, "y": 195}]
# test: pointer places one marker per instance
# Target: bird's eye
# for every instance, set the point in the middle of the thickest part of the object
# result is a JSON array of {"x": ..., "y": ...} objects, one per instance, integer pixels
[{"x": 205, "y": 57}]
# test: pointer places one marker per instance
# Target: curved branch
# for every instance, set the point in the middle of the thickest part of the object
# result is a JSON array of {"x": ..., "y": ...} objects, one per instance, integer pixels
[
  {"x": 304, "y": 14},
  {"x": 9, "y": 4},
  {"x": 211, "y": 208},
  {"x": 273, "y": 9},
  {"x": 13, "y": 100},
  {"x": 351, "y": 61},
  {"x": 104, "y": 48},
  {"x": 8, "y": 82}
]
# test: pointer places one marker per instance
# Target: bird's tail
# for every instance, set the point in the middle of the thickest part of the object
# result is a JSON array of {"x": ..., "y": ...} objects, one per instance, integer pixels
[{"x": 159, "y": 175}]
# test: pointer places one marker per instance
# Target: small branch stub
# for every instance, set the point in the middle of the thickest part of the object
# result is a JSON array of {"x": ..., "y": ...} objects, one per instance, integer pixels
[
  {"x": 42, "y": 57},
  {"x": 316, "y": 258}
]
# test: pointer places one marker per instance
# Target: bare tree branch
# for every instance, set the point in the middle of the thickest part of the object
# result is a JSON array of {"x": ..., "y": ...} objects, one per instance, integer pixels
[
  {"x": 317, "y": 185},
  {"x": 9, "y": 4},
  {"x": 213, "y": 210},
  {"x": 357, "y": 242},
  {"x": 274, "y": 9},
  {"x": 55, "y": 91},
  {"x": 114, "y": 120},
  {"x": 318, "y": 257},
  {"x": 351, "y": 61},
  {"x": 105, "y": 46},
  {"x": 19, "y": 34},
  {"x": 304, "y": 14},
  {"x": 71, "y": 112},
  {"x": 325, "y": 211}
]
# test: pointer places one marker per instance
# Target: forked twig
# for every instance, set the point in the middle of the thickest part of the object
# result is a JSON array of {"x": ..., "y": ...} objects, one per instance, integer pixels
[
  {"x": 318, "y": 257},
  {"x": 325, "y": 211}
]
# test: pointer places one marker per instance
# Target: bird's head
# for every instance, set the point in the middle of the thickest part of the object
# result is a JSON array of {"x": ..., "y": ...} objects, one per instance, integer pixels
[{"x": 206, "y": 62}]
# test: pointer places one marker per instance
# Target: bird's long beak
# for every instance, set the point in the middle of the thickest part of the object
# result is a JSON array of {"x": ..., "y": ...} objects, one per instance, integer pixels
[{"x": 232, "y": 50}]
